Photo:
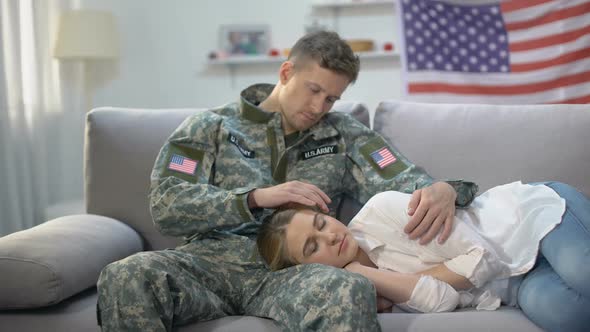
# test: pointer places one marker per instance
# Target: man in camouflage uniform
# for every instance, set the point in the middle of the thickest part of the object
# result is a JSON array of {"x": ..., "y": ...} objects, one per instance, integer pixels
[{"x": 222, "y": 170}]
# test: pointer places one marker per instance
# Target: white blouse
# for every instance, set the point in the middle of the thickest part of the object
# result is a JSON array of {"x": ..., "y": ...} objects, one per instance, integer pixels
[{"x": 493, "y": 241}]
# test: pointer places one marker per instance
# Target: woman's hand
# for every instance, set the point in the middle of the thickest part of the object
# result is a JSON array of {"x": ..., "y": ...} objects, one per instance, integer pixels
[{"x": 431, "y": 208}]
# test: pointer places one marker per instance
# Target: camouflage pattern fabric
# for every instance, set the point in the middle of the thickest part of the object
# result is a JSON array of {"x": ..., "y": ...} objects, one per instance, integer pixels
[
  {"x": 216, "y": 277},
  {"x": 231, "y": 151}
]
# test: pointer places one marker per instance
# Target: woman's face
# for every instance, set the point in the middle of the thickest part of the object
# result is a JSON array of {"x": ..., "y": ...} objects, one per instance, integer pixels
[{"x": 313, "y": 237}]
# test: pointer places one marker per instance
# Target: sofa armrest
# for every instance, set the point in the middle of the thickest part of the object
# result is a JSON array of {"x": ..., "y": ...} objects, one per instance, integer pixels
[{"x": 48, "y": 263}]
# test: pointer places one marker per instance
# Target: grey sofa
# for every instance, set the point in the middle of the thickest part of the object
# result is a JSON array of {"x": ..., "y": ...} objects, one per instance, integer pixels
[{"x": 54, "y": 266}]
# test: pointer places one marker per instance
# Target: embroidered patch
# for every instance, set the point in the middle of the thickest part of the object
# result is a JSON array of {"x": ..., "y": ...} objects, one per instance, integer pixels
[
  {"x": 377, "y": 154},
  {"x": 322, "y": 150},
  {"x": 236, "y": 141},
  {"x": 182, "y": 164},
  {"x": 383, "y": 157}
]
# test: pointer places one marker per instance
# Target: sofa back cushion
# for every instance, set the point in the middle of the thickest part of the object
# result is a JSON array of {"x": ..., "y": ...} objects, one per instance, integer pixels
[
  {"x": 492, "y": 144},
  {"x": 120, "y": 149}
]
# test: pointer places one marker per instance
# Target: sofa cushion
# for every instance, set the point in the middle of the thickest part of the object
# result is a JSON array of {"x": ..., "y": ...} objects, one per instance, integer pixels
[
  {"x": 492, "y": 144},
  {"x": 59, "y": 258},
  {"x": 78, "y": 313}
]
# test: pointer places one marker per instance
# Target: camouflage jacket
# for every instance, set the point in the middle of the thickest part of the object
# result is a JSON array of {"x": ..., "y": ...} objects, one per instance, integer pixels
[{"x": 210, "y": 163}]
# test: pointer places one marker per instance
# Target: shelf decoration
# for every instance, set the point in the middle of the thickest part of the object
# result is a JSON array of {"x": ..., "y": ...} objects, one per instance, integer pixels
[{"x": 241, "y": 40}]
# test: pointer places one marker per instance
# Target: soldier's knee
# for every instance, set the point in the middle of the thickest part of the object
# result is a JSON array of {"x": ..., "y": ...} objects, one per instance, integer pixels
[
  {"x": 339, "y": 283},
  {"x": 109, "y": 275},
  {"x": 359, "y": 285},
  {"x": 108, "y": 286},
  {"x": 125, "y": 273}
]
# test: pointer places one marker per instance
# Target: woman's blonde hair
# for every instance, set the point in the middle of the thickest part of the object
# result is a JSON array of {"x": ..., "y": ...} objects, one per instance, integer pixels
[{"x": 272, "y": 239}]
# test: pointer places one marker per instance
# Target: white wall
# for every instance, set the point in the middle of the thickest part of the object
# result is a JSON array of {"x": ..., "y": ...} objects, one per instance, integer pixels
[{"x": 165, "y": 43}]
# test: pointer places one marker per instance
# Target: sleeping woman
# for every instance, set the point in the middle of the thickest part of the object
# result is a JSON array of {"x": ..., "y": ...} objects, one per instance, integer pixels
[{"x": 517, "y": 244}]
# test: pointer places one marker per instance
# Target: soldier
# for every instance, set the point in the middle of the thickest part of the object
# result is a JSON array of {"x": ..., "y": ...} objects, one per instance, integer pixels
[{"x": 222, "y": 171}]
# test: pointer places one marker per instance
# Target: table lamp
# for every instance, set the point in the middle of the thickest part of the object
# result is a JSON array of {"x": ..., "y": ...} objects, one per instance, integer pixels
[{"x": 87, "y": 35}]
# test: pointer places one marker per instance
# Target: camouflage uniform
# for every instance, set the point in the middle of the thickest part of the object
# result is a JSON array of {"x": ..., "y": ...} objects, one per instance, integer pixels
[{"x": 237, "y": 148}]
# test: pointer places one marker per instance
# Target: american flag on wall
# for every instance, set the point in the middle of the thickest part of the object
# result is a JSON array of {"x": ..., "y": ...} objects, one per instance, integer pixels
[{"x": 502, "y": 52}]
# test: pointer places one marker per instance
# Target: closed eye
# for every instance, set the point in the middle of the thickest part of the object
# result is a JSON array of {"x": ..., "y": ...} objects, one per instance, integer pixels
[
  {"x": 322, "y": 222},
  {"x": 315, "y": 89},
  {"x": 314, "y": 247},
  {"x": 311, "y": 245}
]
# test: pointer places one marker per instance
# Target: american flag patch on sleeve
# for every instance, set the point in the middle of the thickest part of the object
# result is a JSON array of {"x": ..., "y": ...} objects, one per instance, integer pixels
[
  {"x": 383, "y": 157},
  {"x": 182, "y": 164}
]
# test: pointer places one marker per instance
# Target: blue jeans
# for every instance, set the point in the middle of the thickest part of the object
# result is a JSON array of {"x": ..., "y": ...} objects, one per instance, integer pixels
[{"x": 555, "y": 294}]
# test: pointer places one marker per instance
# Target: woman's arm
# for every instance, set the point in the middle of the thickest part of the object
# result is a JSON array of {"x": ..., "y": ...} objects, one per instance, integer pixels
[
  {"x": 442, "y": 273},
  {"x": 395, "y": 286},
  {"x": 416, "y": 292}
]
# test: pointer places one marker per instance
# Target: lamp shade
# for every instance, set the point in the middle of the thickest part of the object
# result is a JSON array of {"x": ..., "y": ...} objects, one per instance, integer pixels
[{"x": 87, "y": 34}]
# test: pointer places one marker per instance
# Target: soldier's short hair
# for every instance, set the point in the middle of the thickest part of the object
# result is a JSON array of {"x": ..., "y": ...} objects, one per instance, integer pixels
[{"x": 328, "y": 50}]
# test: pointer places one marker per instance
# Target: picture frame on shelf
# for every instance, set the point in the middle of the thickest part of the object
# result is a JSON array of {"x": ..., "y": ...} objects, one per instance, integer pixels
[{"x": 244, "y": 39}]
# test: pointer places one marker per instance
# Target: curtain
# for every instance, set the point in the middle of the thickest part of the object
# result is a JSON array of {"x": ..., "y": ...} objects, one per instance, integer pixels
[{"x": 40, "y": 127}]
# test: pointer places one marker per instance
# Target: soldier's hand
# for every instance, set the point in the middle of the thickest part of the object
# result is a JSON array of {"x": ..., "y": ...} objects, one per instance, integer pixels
[
  {"x": 293, "y": 192},
  {"x": 431, "y": 208}
]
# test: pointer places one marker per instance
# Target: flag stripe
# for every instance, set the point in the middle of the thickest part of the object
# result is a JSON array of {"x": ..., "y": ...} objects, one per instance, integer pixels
[
  {"x": 510, "y": 6},
  {"x": 549, "y": 40},
  {"x": 560, "y": 60},
  {"x": 578, "y": 10},
  {"x": 549, "y": 29},
  {"x": 574, "y": 91},
  {"x": 539, "y": 10},
  {"x": 579, "y": 100},
  {"x": 500, "y": 89},
  {"x": 491, "y": 79},
  {"x": 186, "y": 169},
  {"x": 547, "y": 53}
]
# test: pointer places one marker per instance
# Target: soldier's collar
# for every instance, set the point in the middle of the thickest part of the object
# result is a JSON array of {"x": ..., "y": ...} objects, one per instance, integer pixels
[
  {"x": 323, "y": 129},
  {"x": 250, "y": 98},
  {"x": 253, "y": 95}
]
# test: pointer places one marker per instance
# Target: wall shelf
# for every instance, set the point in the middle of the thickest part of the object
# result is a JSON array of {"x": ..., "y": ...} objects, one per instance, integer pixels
[
  {"x": 233, "y": 62},
  {"x": 246, "y": 59},
  {"x": 262, "y": 59}
]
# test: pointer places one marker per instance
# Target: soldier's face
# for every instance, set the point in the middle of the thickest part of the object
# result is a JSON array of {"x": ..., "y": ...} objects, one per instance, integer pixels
[
  {"x": 313, "y": 237},
  {"x": 309, "y": 92}
]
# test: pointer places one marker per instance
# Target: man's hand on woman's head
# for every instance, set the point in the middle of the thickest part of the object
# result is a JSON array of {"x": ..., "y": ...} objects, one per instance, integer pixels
[
  {"x": 431, "y": 208},
  {"x": 293, "y": 192}
]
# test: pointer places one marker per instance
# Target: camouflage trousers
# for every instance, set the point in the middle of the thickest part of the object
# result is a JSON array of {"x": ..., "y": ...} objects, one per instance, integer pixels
[{"x": 216, "y": 277}]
